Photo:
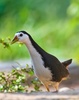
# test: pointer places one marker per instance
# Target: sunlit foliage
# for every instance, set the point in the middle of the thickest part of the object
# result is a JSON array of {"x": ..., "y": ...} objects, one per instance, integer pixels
[{"x": 54, "y": 24}]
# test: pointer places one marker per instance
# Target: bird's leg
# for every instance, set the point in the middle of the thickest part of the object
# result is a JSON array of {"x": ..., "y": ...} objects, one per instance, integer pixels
[
  {"x": 47, "y": 87},
  {"x": 56, "y": 85}
]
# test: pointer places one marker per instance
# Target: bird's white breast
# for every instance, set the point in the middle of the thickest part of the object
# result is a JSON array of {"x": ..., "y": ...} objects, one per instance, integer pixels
[{"x": 41, "y": 72}]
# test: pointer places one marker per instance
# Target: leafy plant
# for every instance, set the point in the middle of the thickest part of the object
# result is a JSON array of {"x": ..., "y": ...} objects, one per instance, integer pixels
[
  {"x": 17, "y": 80},
  {"x": 6, "y": 44}
]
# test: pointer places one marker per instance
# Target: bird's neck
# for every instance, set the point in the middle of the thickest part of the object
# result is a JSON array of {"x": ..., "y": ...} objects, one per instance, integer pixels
[
  {"x": 33, "y": 47},
  {"x": 36, "y": 54}
]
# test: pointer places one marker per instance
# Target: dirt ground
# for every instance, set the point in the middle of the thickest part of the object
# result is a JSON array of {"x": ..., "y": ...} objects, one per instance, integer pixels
[{"x": 62, "y": 95}]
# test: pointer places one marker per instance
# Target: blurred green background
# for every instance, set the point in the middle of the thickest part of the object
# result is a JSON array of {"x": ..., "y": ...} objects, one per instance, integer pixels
[{"x": 54, "y": 25}]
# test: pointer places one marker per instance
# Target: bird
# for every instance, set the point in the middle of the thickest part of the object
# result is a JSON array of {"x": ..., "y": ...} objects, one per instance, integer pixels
[{"x": 47, "y": 68}]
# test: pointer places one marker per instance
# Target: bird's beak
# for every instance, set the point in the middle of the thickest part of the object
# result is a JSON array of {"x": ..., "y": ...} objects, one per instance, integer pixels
[{"x": 15, "y": 39}]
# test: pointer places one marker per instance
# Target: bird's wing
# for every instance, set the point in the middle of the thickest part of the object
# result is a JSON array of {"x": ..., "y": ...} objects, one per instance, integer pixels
[{"x": 57, "y": 69}]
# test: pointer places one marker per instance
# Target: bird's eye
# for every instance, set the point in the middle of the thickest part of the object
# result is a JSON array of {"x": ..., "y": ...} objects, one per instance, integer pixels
[{"x": 21, "y": 35}]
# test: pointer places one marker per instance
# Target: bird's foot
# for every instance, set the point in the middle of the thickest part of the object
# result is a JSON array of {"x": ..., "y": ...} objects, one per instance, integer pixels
[{"x": 55, "y": 91}]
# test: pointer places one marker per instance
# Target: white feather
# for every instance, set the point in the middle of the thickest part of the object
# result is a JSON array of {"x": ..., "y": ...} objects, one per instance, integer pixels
[{"x": 44, "y": 74}]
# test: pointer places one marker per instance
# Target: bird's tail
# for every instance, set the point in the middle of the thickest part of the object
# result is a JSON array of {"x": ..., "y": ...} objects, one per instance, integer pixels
[{"x": 67, "y": 62}]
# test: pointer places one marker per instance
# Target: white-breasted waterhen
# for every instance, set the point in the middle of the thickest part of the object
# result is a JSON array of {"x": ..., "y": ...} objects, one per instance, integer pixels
[{"x": 47, "y": 67}]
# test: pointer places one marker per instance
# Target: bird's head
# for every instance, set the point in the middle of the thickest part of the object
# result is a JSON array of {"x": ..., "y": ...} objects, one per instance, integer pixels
[{"x": 21, "y": 37}]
